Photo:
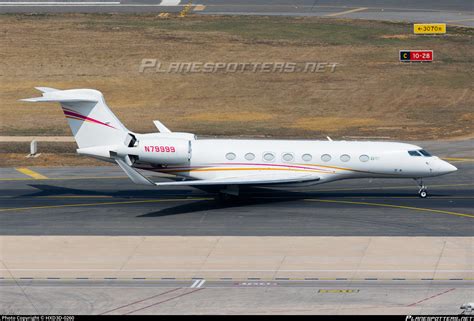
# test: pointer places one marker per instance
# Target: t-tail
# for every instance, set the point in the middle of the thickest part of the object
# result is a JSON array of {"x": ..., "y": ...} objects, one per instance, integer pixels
[
  {"x": 91, "y": 121},
  {"x": 100, "y": 134}
]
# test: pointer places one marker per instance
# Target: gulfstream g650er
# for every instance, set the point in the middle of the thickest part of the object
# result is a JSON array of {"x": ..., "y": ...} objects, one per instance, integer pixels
[{"x": 227, "y": 164}]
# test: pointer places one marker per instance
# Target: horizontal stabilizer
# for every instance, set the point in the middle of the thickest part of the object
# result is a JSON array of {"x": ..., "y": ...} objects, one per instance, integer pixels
[
  {"x": 66, "y": 96},
  {"x": 46, "y": 89},
  {"x": 58, "y": 99}
]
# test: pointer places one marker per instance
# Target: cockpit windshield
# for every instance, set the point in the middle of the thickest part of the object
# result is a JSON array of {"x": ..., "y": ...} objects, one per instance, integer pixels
[
  {"x": 420, "y": 152},
  {"x": 424, "y": 153},
  {"x": 413, "y": 153}
]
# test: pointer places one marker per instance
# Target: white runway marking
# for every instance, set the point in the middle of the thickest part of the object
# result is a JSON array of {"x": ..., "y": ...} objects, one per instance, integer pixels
[
  {"x": 233, "y": 270},
  {"x": 164, "y": 3},
  {"x": 197, "y": 284},
  {"x": 170, "y": 2},
  {"x": 345, "y": 12}
]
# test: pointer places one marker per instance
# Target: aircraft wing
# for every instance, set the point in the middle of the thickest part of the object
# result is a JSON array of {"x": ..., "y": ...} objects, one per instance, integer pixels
[{"x": 254, "y": 179}]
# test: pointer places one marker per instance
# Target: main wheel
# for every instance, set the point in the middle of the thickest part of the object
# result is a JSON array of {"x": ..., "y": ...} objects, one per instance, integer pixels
[
  {"x": 224, "y": 197},
  {"x": 423, "y": 194}
]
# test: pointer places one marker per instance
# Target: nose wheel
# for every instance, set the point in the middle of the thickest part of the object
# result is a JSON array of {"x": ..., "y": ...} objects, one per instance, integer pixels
[{"x": 422, "y": 192}]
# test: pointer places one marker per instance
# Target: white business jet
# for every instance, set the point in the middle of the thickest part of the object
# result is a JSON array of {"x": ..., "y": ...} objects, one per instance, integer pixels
[{"x": 227, "y": 164}]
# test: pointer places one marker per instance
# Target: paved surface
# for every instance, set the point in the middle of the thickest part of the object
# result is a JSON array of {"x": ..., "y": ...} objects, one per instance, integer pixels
[
  {"x": 237, "y": 258},
  {"x": 458, "y": 12},
  {"x": 229, "y": 297},
  {"x": 264, "y": 265},
  {"x": 101, "y": 201}
]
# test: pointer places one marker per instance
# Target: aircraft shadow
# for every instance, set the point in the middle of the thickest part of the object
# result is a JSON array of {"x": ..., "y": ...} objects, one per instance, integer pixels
[
  {"x": 249, "y": 197},
  {"x": 247, "y": 194},
  {"x": 270, "y": 197},
  {"x": 50, "y": 190},
  {"x": 208, "y": 205}
]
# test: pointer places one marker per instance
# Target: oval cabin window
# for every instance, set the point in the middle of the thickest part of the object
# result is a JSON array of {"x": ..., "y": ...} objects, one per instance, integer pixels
[
  {"x": 287, "y": 157},
  {"x": 326, "y": 158},
  {"x": 345, "y": 158},
  {"x": 364, "y": 158},
  {"x": 230, "y": 156},
  {"x": 249, "y": 156},
  {"x": 307, "y": 157},
  {"x": 268, "y": 157}
]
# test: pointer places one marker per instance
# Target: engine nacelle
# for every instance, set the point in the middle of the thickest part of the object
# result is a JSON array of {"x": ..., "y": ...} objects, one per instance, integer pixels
[
  {"x": 176, "y": 135},
  {"x": 165, "y": 151},
  {"x": 154, "y": 148}
]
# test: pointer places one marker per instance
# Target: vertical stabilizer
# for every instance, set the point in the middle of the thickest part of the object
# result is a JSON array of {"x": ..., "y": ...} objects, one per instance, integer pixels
[{"x": 91, "y": 121}]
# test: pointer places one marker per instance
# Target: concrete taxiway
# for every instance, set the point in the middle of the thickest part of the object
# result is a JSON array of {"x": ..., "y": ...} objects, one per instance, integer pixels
[
  {"x": 114, "y": 297},
  {"x": 237, "y": 258},
  {"x": 458, "y": 12},
  {"x": 87, "y": 240},
  {"x": 101, "y": 201}
]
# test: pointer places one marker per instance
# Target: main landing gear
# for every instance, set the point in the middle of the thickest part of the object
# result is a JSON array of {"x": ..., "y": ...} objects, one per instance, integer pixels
[
  {"x": 423, "y": 190},
  {"x": 228, "y": 194}
]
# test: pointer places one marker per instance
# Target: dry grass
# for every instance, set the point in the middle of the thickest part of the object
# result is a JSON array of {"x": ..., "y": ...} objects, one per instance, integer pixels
[
  {"x": 333, "y": 124},
  {"x": 227, "y": 117},
  {"x": 48, "y": 160},
  {"x": 370, "y": 93},
  {"x": 468, "y": 117}
]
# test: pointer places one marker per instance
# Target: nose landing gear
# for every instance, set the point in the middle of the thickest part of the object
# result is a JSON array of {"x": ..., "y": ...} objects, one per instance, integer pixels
[{"x": 422, "y": 192}]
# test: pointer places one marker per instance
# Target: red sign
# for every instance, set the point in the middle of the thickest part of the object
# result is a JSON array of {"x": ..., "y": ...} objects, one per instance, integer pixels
[
  {"x": 421, "y": 55},
  {"x": 416, "y": 55}
]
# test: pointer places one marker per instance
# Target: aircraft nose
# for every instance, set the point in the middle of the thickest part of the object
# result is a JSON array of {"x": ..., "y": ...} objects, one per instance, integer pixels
[{"x": 446, "y": 168}]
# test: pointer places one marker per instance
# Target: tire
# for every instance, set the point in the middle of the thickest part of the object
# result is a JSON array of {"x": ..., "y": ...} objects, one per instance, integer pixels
[
  {"x": 423, "y": 194},
  {"x": 225, "y": 198}
]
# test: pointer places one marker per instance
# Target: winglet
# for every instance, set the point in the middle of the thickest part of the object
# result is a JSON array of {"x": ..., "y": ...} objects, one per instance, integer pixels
[{"x": 135, "y": 176}]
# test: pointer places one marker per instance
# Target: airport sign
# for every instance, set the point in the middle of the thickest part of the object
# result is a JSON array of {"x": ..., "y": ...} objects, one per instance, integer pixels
[
  {"x": 429, "y": 28},
  {"x": 416, "y": 55}
]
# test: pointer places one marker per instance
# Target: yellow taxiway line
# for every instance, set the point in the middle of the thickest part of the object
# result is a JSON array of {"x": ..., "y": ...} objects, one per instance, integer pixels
[
  {"x": 391, "y": 206},
  {"x": 101, "y": 204},
  {"x": 30, "y": 173},
  {"x": 458, "y": 159},
  {"x": 208, "y": 198}
]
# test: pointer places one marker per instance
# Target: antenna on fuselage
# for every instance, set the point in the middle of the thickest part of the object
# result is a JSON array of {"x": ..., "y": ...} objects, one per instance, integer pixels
[
  {"x": 329, "y": 138},
  {"x": 161, "y": 128}
]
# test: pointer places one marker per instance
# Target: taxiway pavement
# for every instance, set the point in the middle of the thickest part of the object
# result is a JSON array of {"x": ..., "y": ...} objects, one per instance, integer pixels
[
  {"x": 101, "y": 201},
  {"x": 459, "y": 12}
]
